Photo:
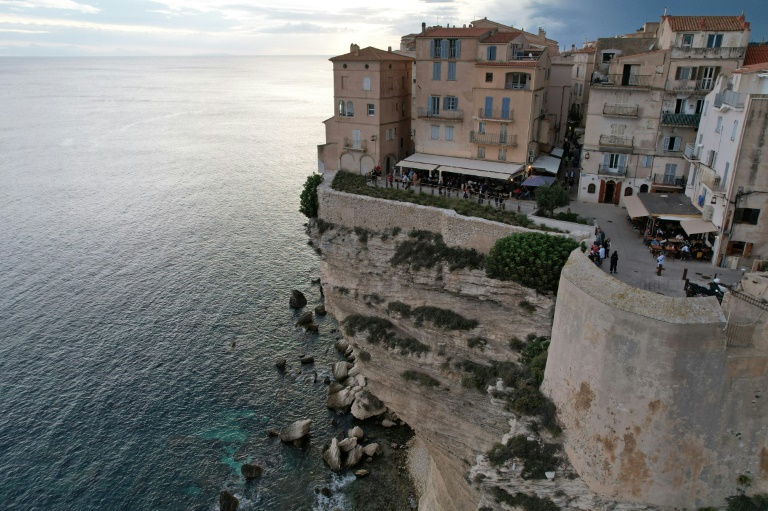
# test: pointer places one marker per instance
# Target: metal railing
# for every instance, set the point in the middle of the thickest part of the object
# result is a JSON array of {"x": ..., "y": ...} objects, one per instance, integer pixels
[
  {"x": 730, "y": 98},
  {"x": 615, "y": 141},
  {"x": 608, "y": 170},
  {"x": 451, "y": 115},
  {"x": 496, "y": 113},
  {"x": 708, "y": 177},
  {"x": 620, "y": 110},
  {"x": 664, "y": 179},
  {"x": 690, "y": 85},
  {"x": 492, "y": 138},
  {"x": 624, "y": 81},
  {"x": 692, "y": 152},
  {"x": 354, "y": 144},
  {"x": 691, "y": 120},
  {"x": 517, "y": 86}
]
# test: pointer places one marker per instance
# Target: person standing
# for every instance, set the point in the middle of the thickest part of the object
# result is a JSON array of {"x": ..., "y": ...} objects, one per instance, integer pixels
[
  {"x": 614, "y": 262},
  {"x": 659, "y": 264},
  {"x": 601, "y": 255},
  {"x": 607, "y": 245}
]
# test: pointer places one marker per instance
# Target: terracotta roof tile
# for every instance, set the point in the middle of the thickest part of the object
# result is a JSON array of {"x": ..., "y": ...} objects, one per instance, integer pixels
[
  {"x": 503, "y": 37},
  {"x": 371, "y": 54},
  {"x": 756, "y": 54},
  {"x": 707, "y": 23},
  {"x": 455, "y": 32}
]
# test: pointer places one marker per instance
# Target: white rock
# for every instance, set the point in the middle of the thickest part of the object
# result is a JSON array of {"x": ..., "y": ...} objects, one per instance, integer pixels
[
  {"x": 387, "y": 423},
  {"x": 550, "y": 475},
  {"x": 332, "y": 456},
  {"x": 296, "y": 431},
  {"x": 356, "y": 432},
  {"x": 348, "y": 444},
  {"x": 371, "y": 449}
]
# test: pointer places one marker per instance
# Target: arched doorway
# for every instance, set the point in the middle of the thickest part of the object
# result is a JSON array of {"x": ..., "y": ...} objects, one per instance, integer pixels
[
  {"x": 388, "y": 164},
  {"x": 347, "y": 162},
  {"x": 627, "y": 191},
  {"x": 609, "y": 192},
  {"x": 366, "y": 164},
  {"x": 643, "y": 188}
]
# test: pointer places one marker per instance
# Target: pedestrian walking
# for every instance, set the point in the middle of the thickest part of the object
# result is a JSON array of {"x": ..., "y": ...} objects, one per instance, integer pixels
[
  {"x": 659, "y": 264},
  {"x": 614, "y": 261}
]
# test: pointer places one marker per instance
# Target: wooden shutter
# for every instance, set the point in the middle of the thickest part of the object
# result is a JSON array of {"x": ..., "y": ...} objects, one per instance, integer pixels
[
  {"x": 694, "y": 73},
  {"x": 606, "y": 160},
  {"x": 665, "y": 143},
  {"x": 444, "y": 46},
  {"x": 432, "y": 48},
  {"x": 677, "y": 73},
  {"x": 677, "y": 143},
  {"x": 622, "y": 160},
  {"x": 458, "y": 48},
  {"x": 717, "y": 72}
]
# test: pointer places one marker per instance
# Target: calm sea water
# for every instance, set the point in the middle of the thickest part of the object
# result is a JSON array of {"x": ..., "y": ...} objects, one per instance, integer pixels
[{"x": 149, "y": 240}]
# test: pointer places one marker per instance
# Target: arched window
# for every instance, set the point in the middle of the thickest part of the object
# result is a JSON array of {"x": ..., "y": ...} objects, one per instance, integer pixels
[
  {"x": 591, "y": 188},
  {"x": 350, "y": 109},
  {"x": 342, "y": 109},
  {"x": 643, "y": 188},
  {"x": 628, "y": 191}
]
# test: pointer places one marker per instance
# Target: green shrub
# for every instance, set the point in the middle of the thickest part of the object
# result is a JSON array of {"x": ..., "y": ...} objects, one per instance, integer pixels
[
  {"x": 420, "y": 378},
  {"x": 426, "y": 249},
  {"x": 401, "y": 308},
  {"x": 480, "y": 376},
  {"x": 362, "y": 234},
  {"x": 373, "y": 298},
  {"x": 441, "y": 318},
  {"x": 744, "y": 503},
  {"x": 551, "y": 197},
  {"x": 341, "y": 290},
  {"x": 477, "y": 342},
  {"x": 527, "y": 306},
  {"x": 516, "y": 344},
  {"x": 381, "y": 331},
  {"x": 365, "y": 356},
  {"x": 323, "y": 226},
  {"x": 308, "y": 201},
  {"x": 396, "y": 231},
  {"x": 538, "y": 457},
  {"x": 534, "y": 260},
  {"x": 527, "y": 502}
]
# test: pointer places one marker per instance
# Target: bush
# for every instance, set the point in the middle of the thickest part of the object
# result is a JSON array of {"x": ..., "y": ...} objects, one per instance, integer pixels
[
  {"x": 477, "y": 342},
  {"x": 425, "y": 249},
  {"x": 527, "y": 502},
  {"x": 381, "y": 331},
  {"x": 743, "y": 503},
  {"x": 527, "y": 306},
  {"x": 480, "y": 376},
  {"x": 441, "y": 318},
  {"x": 534, "y": 260},
  {"x": 308, "y": 201},
  {"x": 420, "y": 378},
  {"x": 323, "y": 226},
  {"x": 516, "y": 344},
  {"x": 551, "y": 197},
  {"x": 537, "y": 457},
  {"x": 365, "y": 356},
  {"x": 362, "y": 234}
]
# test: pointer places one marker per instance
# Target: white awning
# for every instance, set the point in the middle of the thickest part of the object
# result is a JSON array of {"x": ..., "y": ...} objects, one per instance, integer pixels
[
  {"x": 677, "y": 218},
  {"x": 635, "y": 207},
  {"x": 547, "y": 163},
  {"x": 697, "y": 226},
  {"x": 557, "y": 152},
  {"x": 480, "y": 168}
]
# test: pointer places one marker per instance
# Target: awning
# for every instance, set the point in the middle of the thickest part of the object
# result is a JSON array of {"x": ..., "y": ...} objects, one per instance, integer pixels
[
  {"x": 634, "y": 206},
  {"x": 539, "y": 181},
  {"x": 557, "y": 152},
  {"x": 675, "y": 218},
  {"x": 546, "y": 163},
  {"x": 480, "y": 168},
  {"x": 417, "y": 165},
  {"x": 698, "y": 226}
]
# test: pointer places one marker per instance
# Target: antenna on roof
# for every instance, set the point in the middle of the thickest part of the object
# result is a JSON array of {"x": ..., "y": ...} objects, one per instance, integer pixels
[{"x": 665, "y": 10}]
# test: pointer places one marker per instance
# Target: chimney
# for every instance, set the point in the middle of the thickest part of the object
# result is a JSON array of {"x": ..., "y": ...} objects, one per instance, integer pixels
[
  {"x": 389, "y": 49},
  {"x": 542, "y": 33},
  {"x": 573, "y": 47},
  {"x": 354, "y": 48},
  {"x": 423, "y": 28},
  {"x": 465, "y": 25}
]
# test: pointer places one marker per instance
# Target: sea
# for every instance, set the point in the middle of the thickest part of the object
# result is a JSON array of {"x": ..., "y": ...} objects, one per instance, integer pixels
[{"x": 150, "y": 237}]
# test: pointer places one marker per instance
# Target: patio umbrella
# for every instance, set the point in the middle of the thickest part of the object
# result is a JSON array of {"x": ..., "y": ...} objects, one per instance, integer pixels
[{"x": 535, "y": 181}]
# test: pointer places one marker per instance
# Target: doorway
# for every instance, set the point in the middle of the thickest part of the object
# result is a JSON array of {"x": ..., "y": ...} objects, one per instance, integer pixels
[{"x": 609, "y": 192}]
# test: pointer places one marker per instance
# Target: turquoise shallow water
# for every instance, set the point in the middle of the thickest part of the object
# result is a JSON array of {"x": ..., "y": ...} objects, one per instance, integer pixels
[{"x": 150, "y": 237}]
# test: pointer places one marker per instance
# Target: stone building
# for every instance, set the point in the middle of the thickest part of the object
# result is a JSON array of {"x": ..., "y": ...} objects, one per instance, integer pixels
[
  {"x": 372, "y": 103},
  {"x": 644, "y": 111}
]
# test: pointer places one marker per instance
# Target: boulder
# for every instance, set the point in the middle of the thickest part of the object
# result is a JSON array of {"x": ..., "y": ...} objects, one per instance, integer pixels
[
  {"x": 340, "y": 370},
  {"x": 356, "y": 432},
  {"x": 307, "y": 360},
  {"x": 340, "y": 400},
  {"x": 367, "y": 405},
  {"x": 312, "y": 327},
  {"x": 280, "y": 364},
  {"x": 251, "y": 471},
  {"x": 341, "y": 346},
  {"x": 349, "y": 382},
  {"x": 320, "y": 310},
  {"x": 298, "y": 300},
  {"x": 348, "y": 444},
  {"x": 360, "y": 379},
  {"x": 354, "y": 371},
  {"x": 305, "y": 319},
  {"x": 273, "y": 432},
  {"x": 387, "y": 423},
  {"x": 228, "y": 502},
  {"x": 296, "y": 431},
  {"x": 354, "y": 456},
  {"x": 332, "y": 456},
  {"x": 371, "y": 449},
  {"x": 361, "y": 473}
]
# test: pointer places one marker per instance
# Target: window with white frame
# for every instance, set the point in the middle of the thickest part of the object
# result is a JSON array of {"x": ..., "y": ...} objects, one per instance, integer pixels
[
  {"x": 647, "y": 161},
  {"x": 450, "y": 103},
  {"x": 502, "y": 154},
  {"x": 687, "y": 40},
  {"x": 481, "y": 152},
  {"x": 435, "y": 132},
  {"x": 719, "y": 125},
  {"x": 735, "y": 130},
  {"x": 481, "y": 127},
  {"x": 350, "y": 109},
  {"x": 670, "y": 172},
  {"x": 366, "y": 83},
  {"x": 449, "y": 132},
  {"x": 371, "y": 109},
  {"x": 671, "y": 143},
  {"x": 714, "y": 40}
]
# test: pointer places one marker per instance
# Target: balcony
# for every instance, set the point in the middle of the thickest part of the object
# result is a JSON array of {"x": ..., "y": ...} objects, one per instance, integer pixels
[
  {"x": 493, "y": 139},
  {"x": 446, "y": 115},
  {"x": 730, "y": 98},
  {"x": 616, "y": 141},
  {"x": 517, "y": 86},
  {"x": 702, "y": 86},
  {"x": 692, "y": 152},
  {"x": 685, "y": 120},
  {"x": 665, "y": 181},
  {"x": 496, "y": 114},
  {"x": 724, "y": 52},
  {"x": 708, "y": 177},
  {"x": 608, "y": 170},
  {"x": 615, "y": 110},
  {"x": 640, "y": 81},
  {"x": 353, "y": 144}
]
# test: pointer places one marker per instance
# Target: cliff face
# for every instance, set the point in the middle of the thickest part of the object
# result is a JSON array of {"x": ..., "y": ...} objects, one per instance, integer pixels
[{"x": 455, "y": 423}]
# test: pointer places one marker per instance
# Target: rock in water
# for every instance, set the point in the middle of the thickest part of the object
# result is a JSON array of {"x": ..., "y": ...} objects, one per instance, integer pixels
[
  {"x": 340, "y": 370},
  {"x": 356, "y": 432},
  {"x": 371, "y": 449},
  {"x": 312, "y": 327},
  {"x": 320, "y": 310},
  {"x": 273, "y": 432},
  {"x": 307, "y": 360},
  {"x": 341, "y": 346},
  {"x": 305, "y": 319},
  {"x": 340, "y": 400},
  {"x": 361, "y": 473},
  {"x": 280, "y": 364},
  {"x": 298, "y": 300},
  {"x": 228, "y": 502},
  {"x": 348, "y": 444},
  {"x": 354, "y": 456},
  {"x": 296, "y": 431},
  {"x": 387, "y": 423},
  {"x": 332, "y": 456},
  {"x": 251, "y": 471},
  {"x": 367, "y": 405}
]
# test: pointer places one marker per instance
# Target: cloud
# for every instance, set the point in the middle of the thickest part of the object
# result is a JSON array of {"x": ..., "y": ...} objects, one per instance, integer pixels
[
  {"x": 89, "y": 25},
  {"x": 20, "y": 31},
  {"x": 299, "y": 28},
  {"x": 50, "y": 4}
]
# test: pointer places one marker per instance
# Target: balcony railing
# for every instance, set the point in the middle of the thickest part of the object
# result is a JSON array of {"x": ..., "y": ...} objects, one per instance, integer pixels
[
  {"x": 692, "y": 152},
  {"x": 620, "y": 110},
  {"x": 708, "y": 176},
  {"x": 493, "y": 138},
  {"x": 669, "y": 181},
  {"x": 624, "y": 81},
  {"x": 724, "y": 52},
  {"x": 496, "y": 113},
  {"x": 730, "y": 98},
  {"x": 608, "y": 170},
  {"x": 690, "y": 120},
  {"x": 450, "y": 115},
  {"x": 702, "y": 86},
  {"x": 353, "y": 144},
  {"x": 615, "y": 141},
  {"x": 518, "y": 86}
]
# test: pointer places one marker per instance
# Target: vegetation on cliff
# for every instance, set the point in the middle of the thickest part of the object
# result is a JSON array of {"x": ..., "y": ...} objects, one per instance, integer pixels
[
  {"x": 538, "y": 457},
  {"x": 532, "y": 259},
  {"x": 382, "y": 331},
  {"x": 308, "y": 200},
  {"x": 441, "y": 318},
  {"x": 526, "y": 502},
  {"x": 425, "y": 249},
  {"x": 420, "y": 378}
]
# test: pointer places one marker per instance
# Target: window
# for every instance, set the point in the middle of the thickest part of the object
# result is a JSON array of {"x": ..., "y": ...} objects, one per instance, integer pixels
[
  {"x": 735, "y": 130},
  {"x": 699, "y": 106},
  {"x": 577, "y": 71},
  {"x": 488, "y": 77},
  {"x": 451, "y": 70},
  {"x": 714, "y": 40},
  {"x": 719, "y": 126},
  {"x": 350, "y": 109},
  {"x": 591, "y": 188},
  {"x": 481, "y": 127},
  {"x": 683, "y": 73},
  {"x": 502, "y": 154},
  {"x": 643, "y": 189},
  {"x": 711, "y": 158},
  {"x": 613, "y": 161},
  {"x": 449, "y": 132},
  {"x": 647, "y": 161},
  {"x": 436, "y": 49},
  {"x": 491, "y": 53},
  {"x": 746, "y": 216},
  {"x": 342, "y": 108},
  {"x": 436, "y": 70},
  {"x": 670, "y": 171},
  {"x": 671, "y": 143},
  {"x": 435, "y": 132},
  {"x": 371, "y": 109},
  {"x": 516, "y": 81},
  {"x": 607, "y": 57},
  {"x": 454, "y": 46},
  {"x": 433, "y": 107},
  {"x": 481, "y": 152},
  {"x": 366, "y": 83},
  {"x": 687, "y": 41},
  {"x": 450, "y": 103}
]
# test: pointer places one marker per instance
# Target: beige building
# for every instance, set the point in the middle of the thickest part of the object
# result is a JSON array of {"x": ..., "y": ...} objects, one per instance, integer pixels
[
  {"x": 644, "y": 111},
  {"x": 728, "y": 170},
  {"x": 372, "y": 104}
]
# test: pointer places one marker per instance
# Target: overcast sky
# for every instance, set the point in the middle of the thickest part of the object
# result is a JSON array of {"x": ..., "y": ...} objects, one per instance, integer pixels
[{"x": 312, "y": 27}]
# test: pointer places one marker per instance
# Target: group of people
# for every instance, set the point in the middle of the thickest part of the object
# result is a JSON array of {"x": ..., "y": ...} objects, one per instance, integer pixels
[{"x": 601, "y": 250}]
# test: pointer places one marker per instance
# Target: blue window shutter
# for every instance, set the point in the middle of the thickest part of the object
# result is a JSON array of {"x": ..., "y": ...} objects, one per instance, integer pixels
[
  {"x": 458, "y": 48},
  {"x": 488, "y": 106},
  {"x": 505, "y": 108},
  {"x": 444, "y": 48},
  {"x": 432, "y": 48},
  {"x": 622, "y": 160},
  {"x": 451, "y": 70},
  {"x": 491, "y": 53},
  {"x": 606, "y": 159}
]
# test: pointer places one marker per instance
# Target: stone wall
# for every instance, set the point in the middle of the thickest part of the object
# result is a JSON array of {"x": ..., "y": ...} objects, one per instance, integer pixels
[{"x": 655, "y": 407}]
